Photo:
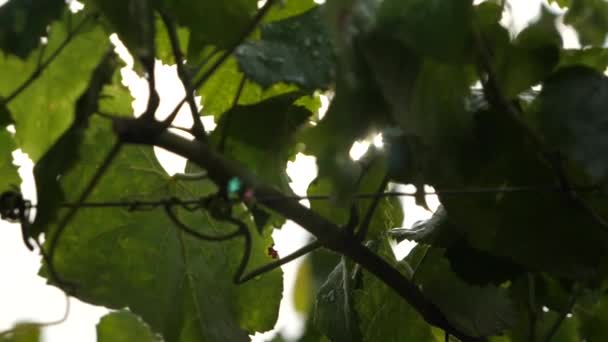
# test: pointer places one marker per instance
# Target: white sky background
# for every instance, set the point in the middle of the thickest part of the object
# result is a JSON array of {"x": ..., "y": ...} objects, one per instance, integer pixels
[{"x": 25, "y": 297}]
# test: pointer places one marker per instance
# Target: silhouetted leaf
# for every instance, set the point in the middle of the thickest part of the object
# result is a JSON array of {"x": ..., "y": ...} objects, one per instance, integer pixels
[{"x": 24, "y": 22}]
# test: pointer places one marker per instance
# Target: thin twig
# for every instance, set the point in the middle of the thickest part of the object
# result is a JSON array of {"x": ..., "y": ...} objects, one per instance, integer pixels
[
  {"x": 81, "y": 199},
  {"x": 226, "y": 126},
  {"x": 197, "y": 234},
  {"x": 367, "y": 219},
  {"x": 145, "y": 205},
  {"x": 562, "y": 316},
  {"x": 62, "y": 319},
  {"x": 280, "y": 262},
  {"x": 224, "y": 57},
  {"x": 43, "y": 65},
  {"x": 198, "y": 130},
  {"x": 532, "y": 307}
]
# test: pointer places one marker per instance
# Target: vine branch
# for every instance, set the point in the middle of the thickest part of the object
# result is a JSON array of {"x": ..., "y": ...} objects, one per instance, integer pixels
[
  {"x": 221, "y": 170},
  {"x": 197, "y": 130}
]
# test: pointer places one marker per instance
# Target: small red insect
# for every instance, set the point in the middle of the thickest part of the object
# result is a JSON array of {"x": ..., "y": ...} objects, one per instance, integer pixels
[{"x": 272, "y": 252}]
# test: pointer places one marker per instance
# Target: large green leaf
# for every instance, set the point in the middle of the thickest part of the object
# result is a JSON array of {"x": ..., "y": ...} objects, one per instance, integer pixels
[
  {"x": 62, "y": 156},
  {"x": 123, "y": 326},
  {"x": 8, "y": 171},
  {"x": 47, "y": 105},
  {"x": 334, "y": 314},
  {"x": 181, "y": 286},
  {"x": 530, "y": 227},
  {"x": 479, "y": 311},
  {"x": 261, "y": 135},
  {"x": 23, "y": 23},
  {"x": 590, "y": 19},
  {"x": 415, "y": 24},
  {"x": 296, "y": 50},
  {"x": 383, "y": 315}
]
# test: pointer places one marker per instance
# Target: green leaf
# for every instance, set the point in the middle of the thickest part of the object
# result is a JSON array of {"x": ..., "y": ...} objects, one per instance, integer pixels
[
  {"x": 23, "y": 23},
  {"x": 590, "y": 19},
  {"x": 334, "y": 314},
  {"x": 181, "y": 286},
  {"x": 383, "y": 315},
  {"x": 436, "y": 112},
  {"x": 164, "y": 51},
  {"x": 123, "y": 326},
  {"x": 289, "y": 8},
  {"x": 134, "y": 23},
  {"x": 22, "y": 332},
  {"x": 596, "y": 58},
  {"x": 224, "y": 21},
  {"x": 594, "y": 319},
  {"x": 8, "y": 171},
  {"x": 62, "y": 156},
  {"x": 415, "y": 24},
  {"x": 526, "y": 61},
  {"x": 388, "y": 212},
  {"x": 295, "y": 51},
  {"x": 352, "y": 115},
  {"x": 261, "y": 136},
  {"x": 533, "y": 56},
  {"x": 47, "y": 105},
  {"x": 479, "y": 311},
  {"x": 218, "y": 93}
]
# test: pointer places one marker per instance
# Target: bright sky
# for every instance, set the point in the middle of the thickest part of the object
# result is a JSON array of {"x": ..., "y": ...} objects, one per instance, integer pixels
[{"x": 25, "y": 297}]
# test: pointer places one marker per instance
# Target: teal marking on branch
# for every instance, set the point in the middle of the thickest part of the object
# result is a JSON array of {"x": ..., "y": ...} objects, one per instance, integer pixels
[{"x": 234, "y": 185}]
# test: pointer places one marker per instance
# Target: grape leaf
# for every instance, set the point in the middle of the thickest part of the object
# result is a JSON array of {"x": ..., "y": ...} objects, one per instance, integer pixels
[{"x": 182, "y": 287}]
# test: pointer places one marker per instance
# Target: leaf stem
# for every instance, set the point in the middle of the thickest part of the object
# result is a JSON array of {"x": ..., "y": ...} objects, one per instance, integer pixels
[
  {"x": 197, "y": 130},
  {"x": 226, "y": 127}
]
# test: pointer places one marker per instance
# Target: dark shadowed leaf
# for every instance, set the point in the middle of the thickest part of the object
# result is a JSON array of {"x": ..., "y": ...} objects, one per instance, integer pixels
[
  {"x": 572, "y": 117},
  {"x": 261, "y": 135},
  {"x": 383, "y": 315},
  {"x": 480, "y": 311},
  {"x": 415, "y": 24},
  {"x": 296, "y": 50},
  {"x": 24, "y": 22},
  {"x": 334, "y": 314}
]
